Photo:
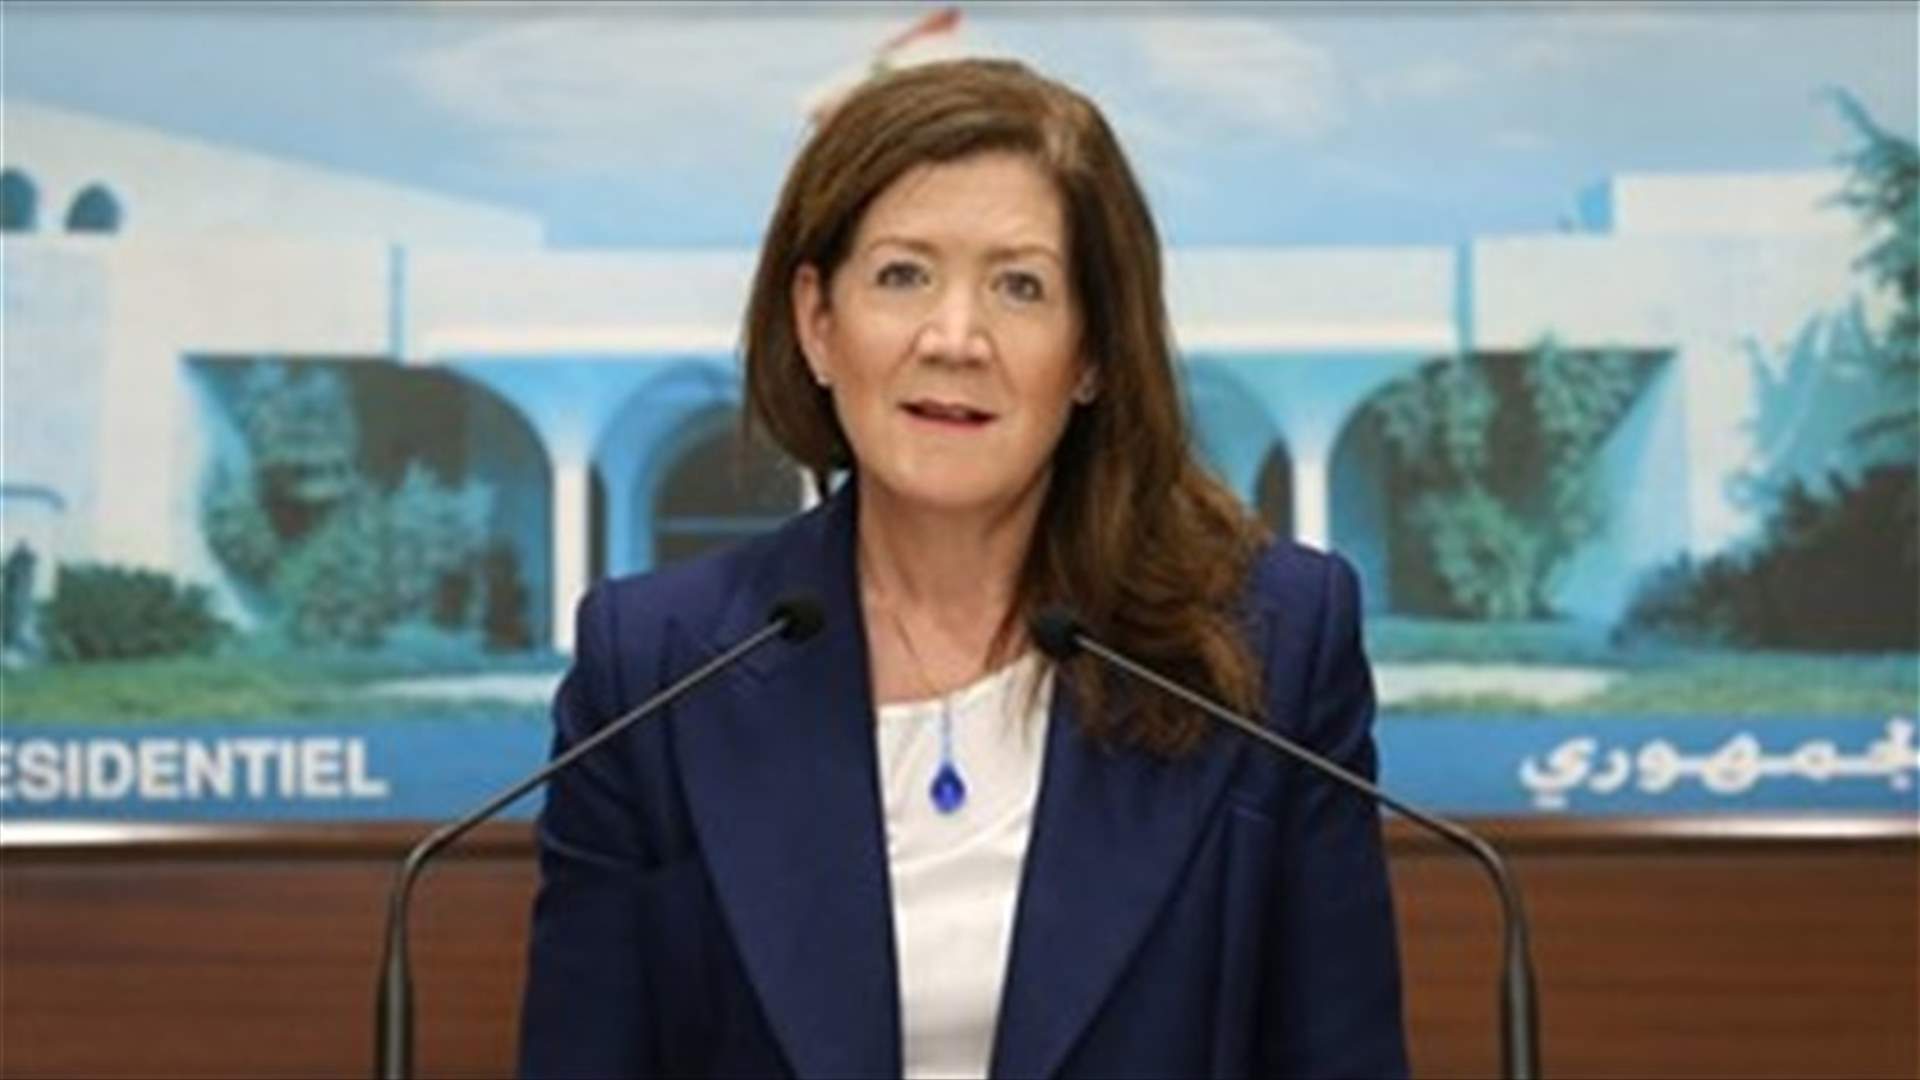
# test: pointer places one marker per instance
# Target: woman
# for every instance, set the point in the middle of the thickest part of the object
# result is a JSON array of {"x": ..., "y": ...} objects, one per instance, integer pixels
[{"x": 909, "y": 846}]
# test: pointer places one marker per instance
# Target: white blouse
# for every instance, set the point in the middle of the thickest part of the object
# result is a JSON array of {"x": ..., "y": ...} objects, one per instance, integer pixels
[{"x": 956, "y": 877}]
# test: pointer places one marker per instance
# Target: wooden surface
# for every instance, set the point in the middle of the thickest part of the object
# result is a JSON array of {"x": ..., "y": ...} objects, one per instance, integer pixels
[{"x": 1669, "y": 948}]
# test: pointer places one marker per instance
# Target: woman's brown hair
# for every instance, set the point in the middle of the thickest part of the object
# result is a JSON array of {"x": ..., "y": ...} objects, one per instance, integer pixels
[{"x": 1148, "y": 548}]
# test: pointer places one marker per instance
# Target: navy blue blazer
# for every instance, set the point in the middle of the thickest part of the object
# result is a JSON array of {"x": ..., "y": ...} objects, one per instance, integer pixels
[{"x": 714, "y": 897}]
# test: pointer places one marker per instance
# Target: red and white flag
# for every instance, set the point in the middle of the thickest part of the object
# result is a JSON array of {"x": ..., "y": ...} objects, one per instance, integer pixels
[
  {"x": 931, "y": 25},
  {"x": 929, "y": 28}
]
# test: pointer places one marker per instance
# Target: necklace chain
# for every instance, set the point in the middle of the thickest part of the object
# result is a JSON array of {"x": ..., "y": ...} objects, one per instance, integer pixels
[
  {"x": 913, "y": 655},
  {"x": 949, "y": 790}
]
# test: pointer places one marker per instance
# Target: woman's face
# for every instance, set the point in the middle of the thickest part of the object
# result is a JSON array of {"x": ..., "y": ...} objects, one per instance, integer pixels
[{"x": 949, "y": 337}]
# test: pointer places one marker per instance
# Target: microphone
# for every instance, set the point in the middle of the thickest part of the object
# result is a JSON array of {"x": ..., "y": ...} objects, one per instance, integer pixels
[
  {"x": 1058, "y": 633},
  {"x": 795, "y": 617}
]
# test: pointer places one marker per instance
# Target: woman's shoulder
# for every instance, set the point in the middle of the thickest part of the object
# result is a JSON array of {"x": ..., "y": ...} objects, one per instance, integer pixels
[{"x": 1289, "y": 576}]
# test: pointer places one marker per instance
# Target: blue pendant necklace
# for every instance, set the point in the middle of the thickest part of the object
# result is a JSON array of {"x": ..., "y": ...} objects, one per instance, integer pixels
[{"x": 948, "y": 790}]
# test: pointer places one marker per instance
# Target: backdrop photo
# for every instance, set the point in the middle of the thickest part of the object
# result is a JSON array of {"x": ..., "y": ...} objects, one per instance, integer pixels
[{"x": 345, "y": 346}]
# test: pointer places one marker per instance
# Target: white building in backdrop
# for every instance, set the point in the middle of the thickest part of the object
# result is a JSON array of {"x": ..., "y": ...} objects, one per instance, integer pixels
[{"x": 581, "y": 381}]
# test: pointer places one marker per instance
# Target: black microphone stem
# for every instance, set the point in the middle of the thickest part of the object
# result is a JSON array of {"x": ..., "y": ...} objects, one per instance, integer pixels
[
  {"x": 1519, "y": 1015},
  {"x": 394, "y": 1015}
]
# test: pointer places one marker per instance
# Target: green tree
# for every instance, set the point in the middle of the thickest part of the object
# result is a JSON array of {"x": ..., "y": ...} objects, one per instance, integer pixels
[
  {"x": 304, "y": 441},
  {"x": 1883, "y": 188},
  {"x": 1834, "y": 569},
  {"x": 1492, "y": 478},
  {"x": 106, "y": 612},
  {"x": 236, "y": 525}
]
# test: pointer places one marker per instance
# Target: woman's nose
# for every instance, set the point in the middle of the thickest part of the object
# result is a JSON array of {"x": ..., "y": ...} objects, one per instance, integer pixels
[{"x": 955, "y": 331}]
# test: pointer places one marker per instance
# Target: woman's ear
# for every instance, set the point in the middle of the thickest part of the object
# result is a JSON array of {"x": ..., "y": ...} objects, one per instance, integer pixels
[
  {"x": 1088, "y": 387},
  {"x": 810, "y": 318}
]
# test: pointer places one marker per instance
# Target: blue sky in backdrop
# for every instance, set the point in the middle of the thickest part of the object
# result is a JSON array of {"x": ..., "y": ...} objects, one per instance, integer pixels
[{"x": 670, "y": 125}]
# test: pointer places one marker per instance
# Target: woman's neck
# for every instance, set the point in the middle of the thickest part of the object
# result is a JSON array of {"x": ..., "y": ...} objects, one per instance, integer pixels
[{"x": 957, "y": 568}]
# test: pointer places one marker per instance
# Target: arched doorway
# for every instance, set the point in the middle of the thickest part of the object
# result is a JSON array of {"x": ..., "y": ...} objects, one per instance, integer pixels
[
  {"x": 379, "y": 428},
  {"x": 1273, "y": 492},
  {"x": 719, "y": 487},
  {"x": 1231, "y": 427}
]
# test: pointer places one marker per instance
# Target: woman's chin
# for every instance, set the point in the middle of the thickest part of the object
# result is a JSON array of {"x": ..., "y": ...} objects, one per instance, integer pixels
[{"x": 953, "y": 495}]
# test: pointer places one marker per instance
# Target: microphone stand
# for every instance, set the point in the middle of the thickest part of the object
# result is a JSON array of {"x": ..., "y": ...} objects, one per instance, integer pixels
[
  {"x": 1059, "y": 634},
  {"x": 795, "y": 619}
]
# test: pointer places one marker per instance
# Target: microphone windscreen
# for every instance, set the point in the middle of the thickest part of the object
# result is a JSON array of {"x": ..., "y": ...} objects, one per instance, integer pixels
[
  {"x": 1056, "y": 630},
  {"x": 801, "y": 612}
]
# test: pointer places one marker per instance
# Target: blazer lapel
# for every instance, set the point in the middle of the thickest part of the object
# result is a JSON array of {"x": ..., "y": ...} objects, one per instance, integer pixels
[
  {"x": 1111, "y": 837},
  {"x": 781, "y": 778}
]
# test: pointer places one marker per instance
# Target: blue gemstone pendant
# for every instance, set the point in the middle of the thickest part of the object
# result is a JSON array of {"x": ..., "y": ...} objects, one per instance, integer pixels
[{"x": 949, "y": 791}]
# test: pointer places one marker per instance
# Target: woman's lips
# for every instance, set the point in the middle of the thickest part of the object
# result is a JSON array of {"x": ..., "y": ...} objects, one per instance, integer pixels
[{"x": 948, "y": 414}]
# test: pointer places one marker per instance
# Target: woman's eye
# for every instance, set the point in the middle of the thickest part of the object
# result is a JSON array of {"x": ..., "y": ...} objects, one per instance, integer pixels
[
  {"x": 1023, "y": 286},
  {"x": 895, "y": 275}
]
